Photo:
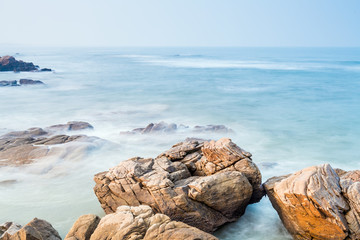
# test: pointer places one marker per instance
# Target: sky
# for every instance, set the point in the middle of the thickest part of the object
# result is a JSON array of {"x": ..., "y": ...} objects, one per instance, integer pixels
[{"x": 251, "y": 23}]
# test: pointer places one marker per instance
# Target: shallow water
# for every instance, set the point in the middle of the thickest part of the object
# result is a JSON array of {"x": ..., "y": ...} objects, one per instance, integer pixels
[{"x": 290, "y": 107}]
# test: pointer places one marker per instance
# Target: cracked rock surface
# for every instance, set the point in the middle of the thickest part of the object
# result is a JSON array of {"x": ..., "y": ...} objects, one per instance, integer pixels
[
  {"x": 135, "y": 223},
  {"x": 201, "y": 183},
  {"x": 315, "y": 203}
]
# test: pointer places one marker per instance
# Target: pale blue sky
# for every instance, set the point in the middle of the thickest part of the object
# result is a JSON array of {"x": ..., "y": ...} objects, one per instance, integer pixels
[{"x": 181, "y": 22}]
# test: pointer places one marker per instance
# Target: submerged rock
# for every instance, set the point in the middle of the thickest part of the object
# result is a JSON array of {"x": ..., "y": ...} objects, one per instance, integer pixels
[
  {"x": 22, "y": 82},
  {"x": 136, "y": 223},
  {"x": 315, "y": 203},
  {"x": 163, "y": 127},
  {"x": 30, "y": 82},
  {"x": 204, "y": 184},
  {"x": 37, "y": 229},
  {"x": 8, "y": 83},
  {"x": 24, "y": 147},
  {"x": 71, "y": 126},
  {"x": 9, "y": 63}
]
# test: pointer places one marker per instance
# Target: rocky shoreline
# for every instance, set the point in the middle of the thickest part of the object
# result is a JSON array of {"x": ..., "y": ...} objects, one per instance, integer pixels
[{"x": 195, "y": 187}]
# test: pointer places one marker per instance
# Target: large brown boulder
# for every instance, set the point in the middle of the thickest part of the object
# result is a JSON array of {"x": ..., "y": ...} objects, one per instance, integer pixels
[
  {"x": 315, "y": 203},
  {"x": 180, "y": 184},
  {"x": 37, "y": 229},
  {"x": 135, "y": 223}
]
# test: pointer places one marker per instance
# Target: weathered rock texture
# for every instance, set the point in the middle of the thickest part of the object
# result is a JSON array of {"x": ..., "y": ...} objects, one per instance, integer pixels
[
  {"x": 37, "y": 229},
  {"x": 9, "y": 63},
  {"x": 315, "y": 203},
  {"x": 83, "y": 228},
  {"x": 136, "y": 223},
  {"x": 163, "y": 127},
  {"x": 23, "y": 147},
  {"x": 350, "y": 184},
  {"x": 204, "y": 184}
]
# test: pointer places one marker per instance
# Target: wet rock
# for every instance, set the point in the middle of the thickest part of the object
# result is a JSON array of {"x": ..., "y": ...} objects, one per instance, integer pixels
[
  {"x": 141, "y": 223},
  {"x": 8, "y": 183},
  {"x": 83, "y": 228},
  {"x": 71, "y": 126},
  {"x": 8, "y": 83},
  {"x": 177, "y": 183},
  {"x": 22, "y": 82},
  {"x": 310, "y": 203},
  {"x": 9, "y": 63},
  {"x": 37, "y": 229},
  {"x": 45, "y": 70},
  {"x": 30, "y": 82},
  {"x": 24, "y": 147},
  {"x": 163, "y": 127},
  {"x": 213, "y": 128}
]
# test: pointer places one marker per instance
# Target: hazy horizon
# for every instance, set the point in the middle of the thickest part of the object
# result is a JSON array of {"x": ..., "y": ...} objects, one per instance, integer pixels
[{"x": 160, "y": 23}]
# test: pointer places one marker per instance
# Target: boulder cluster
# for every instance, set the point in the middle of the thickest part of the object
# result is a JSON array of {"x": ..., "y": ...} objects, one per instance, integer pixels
[
  {"x": 130, "y": 222},
  {"x": 195, "y": 187}
]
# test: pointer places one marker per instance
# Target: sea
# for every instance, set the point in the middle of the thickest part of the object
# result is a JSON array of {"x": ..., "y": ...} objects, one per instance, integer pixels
[{"x": 290, "y": 107}]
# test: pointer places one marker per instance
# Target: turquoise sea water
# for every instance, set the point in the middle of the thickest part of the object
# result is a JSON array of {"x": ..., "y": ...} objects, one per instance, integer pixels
[{"x": 289, "y": 107}]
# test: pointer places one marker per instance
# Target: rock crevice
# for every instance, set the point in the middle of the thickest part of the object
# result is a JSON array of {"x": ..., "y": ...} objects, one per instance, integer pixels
[{"x": 180, "y": 183}]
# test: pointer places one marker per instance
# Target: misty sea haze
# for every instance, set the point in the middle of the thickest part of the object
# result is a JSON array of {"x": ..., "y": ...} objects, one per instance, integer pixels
[{"x": 290, "y": 107}]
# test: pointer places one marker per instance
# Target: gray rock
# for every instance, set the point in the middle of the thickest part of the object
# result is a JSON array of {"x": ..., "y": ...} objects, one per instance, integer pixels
[{"x": 163, "y": 127}]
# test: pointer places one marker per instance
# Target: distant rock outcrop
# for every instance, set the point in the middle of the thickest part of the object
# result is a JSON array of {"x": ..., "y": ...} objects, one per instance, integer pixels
[
  {"x": 30, "y": 82},
  {"x": 203, "y": 184},
  {"x": 163, "y": 127},
  {"x": 21, "y": 82},
  {"x": 9, "y": 83},
  {"x": 315, "y": 203},
  {"x": 37, "y": 229},
  {"x": 23, "y": 147},
  {"x": 9, "y": 63},
  {"x": 134, "y": 223}
]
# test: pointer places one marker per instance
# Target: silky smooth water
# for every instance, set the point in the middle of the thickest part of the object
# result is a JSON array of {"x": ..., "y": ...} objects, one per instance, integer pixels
[{"x": 290, "y": 107}]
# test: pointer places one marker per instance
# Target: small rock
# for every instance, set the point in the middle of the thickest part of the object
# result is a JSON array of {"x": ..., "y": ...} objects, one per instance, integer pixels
[
  {"x": 8, "y": 83},
  {"x": 30, "y": 82},
  {"x": 83, "y": 228}
]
